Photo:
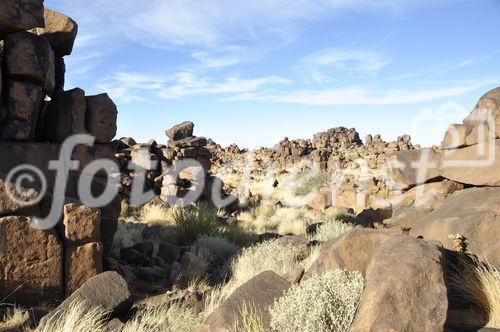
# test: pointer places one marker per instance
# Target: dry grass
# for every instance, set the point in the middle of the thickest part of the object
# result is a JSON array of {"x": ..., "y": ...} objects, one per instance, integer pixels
[
  {"x": 331, "y": 230},
  {"x": 14, "y": 318},
  {"x": 78, "y": 318},
  {"x": 157, "y": 215},
  {"x": 479, "y": 283},
  {"x": 173, "y": 318},
  {"x": 250, "y": 321}
]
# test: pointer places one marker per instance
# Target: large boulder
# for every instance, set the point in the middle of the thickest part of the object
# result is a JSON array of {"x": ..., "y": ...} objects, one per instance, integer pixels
[
  {"x": 100, "y": 118},
  {"x": 23, "y": 105},
  {"x": 486, "y": 114},
  {"x": 17, "y": 202},
  {"x": 473, "y": 213},
  {"x": 477, "y": 165},
  {"x": 60, "y": 30},
  {"x": 180, "y": 131},
  {"x": 31, "y": 262},
  {"x": 259, "y": 294},
  {"x": 29, "y": 57},
  {"x": 66, "y": 115},
  {"x": 455, "y": 136},
  {"x": 108, "y": 291},
  {"x": 81, "y": 264},
  {"x": 413, "y": 167},
  {"x": 81, "y": 224},
  {"x": 405, "y": 288},
  {"x": 338, "y": 253},
  {"x": 17, "y": 15}
]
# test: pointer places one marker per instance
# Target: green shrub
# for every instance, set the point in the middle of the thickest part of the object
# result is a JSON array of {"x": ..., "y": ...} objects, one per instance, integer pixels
[
  {"x": 191, "y": 222},
  {"x": 326, "y": 302}
]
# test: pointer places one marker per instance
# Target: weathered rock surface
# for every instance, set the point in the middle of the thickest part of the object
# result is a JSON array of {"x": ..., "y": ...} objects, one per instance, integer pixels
[
  {"x": 486, "y": 113},
  {"x": 405, "y": 288},
  {"x": 475, "y": 165},
  {"x": 473, "y": 213},
  {"x": 108, "y": 290},
  {"x": 81, "y": 264},
  {"x": 16, "y": 15},
  {"x": 60, "y": 30},
  {"x": 259, "y": 293},
  {"x": 338, "y": 253},
  {"x": 100, "y": 118},
  {"x": 31, "y": 263},
  {"x": 408, "y": 171},
  {"x": 81, "y": 224},
  {"x": 180, "y": 131},
  {"x": 29, "y": 57}
]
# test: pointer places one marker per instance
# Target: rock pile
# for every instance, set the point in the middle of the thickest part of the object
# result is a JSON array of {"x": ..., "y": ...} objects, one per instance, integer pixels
[{"x": 36, "y": 115}]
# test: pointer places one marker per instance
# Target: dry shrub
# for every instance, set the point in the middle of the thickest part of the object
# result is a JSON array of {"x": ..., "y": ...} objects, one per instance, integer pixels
[
  {"x": 326, "y": 302},
  {"x": 477, "y": 282},
  {"x": 12, "y": 319},
  {"x": 331, "y": 230},
  {"x": 156, "y": 215}
]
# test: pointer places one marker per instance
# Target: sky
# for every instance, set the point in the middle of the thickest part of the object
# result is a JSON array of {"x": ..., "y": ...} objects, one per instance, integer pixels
[{"x": 254, "y": 71}]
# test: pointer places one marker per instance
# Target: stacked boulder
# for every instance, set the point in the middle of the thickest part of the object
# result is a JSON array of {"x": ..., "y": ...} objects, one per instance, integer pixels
[{"x": 36, "y": 115}]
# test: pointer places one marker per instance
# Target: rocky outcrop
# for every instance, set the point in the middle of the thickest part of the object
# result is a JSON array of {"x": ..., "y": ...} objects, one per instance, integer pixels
[{"x": 18, "y": 15}]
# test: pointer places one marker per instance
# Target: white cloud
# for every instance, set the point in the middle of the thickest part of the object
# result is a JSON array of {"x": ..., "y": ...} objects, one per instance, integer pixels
[{"x": 356, "y": 96}]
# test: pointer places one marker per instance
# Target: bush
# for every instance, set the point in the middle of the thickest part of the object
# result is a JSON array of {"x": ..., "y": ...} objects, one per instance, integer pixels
[
  {"x": 191, "y": 222},
  {"x": 13, "y": 319},
  {"x": 331, "y": 230},
  {"x": 326, "y": 302},
  {"x": 311, "y": 182}
]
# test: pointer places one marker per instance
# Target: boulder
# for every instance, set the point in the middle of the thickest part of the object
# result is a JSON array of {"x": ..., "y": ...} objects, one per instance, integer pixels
[
  {"x": 455, "y": 136},
  {"x": 338, "y": 253},
  {"x": 17, "y": 15},
  {"x": 81, "y": 224},
  {"x": 100, "y": 117},
  {"x": 473, "y": 213},
  {"x": 29, "y": 57},
  {"x": 428, "y": 195},
  {"x": 82, "y": 263},
  {"x": 487, "y": 108},
  {"x": 108, "y": 291},
  {"x": 60, "y": 30},
  {"x": 180, "y": 131},
  {"x": 259, "y": 294},
  {"x": 13, "y": 202},
  {"x": 23, "y": 105},
  {"x": 316, "y": 201},
  {"x": 405, "y": 288},
  {"x": 406, "y": 170},
  {"x": 298, "y": 242},
  {"x": 477, "y": 165},
  {"x": 66, "y": 115},
  {"x": 31, "y": 263}
]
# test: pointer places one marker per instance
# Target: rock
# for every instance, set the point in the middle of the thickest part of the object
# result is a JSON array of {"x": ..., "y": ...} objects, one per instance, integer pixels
[
  {"x": 31, "y": 262},
  {"x": 455, "y": 136},
  {"x": 21, "y": 204},
  {"x": 128, "y": 141},
  {"x": 406, "y": 170},
  {"x": 473, "y": 165},
  {"x": 81, "y": 224},
  {"x": 316, "y": 201},
  {"x": 108, "y": 290},
  {"x": 370, "y": 217},
  {"x": 428, "y": 195},
  {"x": 180, "y": 131},
  {"x": 259, "y": 293},
  {"x": 30, "y": 58},
  {"x": 295, "y": 275},
  {"x": 82, "y": 263},
  {"x": 17, "y": 15},
  {"x": 487, "y": 108},
  {"x": 60, "y": 31},
  {"x": 405, "y": 218},
  {"x": 473, "y": 213},
  {"x": 405, "y": 288},
  {"x": 144, "y": 159},
  {"x": 100, "y": 117},
  {"x": 135, "y": 257},
  {"x": 115, "y": 325},
  {"x": 66, "y": 115},
  {"x": 338, "y": 253},
  {"x": 23, "y": 105},
  {"x": 169, "y": 252}
]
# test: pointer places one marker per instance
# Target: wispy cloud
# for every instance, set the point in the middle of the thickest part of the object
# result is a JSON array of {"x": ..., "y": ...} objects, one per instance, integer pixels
[
  {"x": 356, "y": 96},
  {"x": 129, "y": 87},
  {"x": 322, "y": 63}
]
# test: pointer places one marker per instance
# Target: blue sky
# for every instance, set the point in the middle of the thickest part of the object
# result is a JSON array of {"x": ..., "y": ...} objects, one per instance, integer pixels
[{"x": 252, "y": 72}]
